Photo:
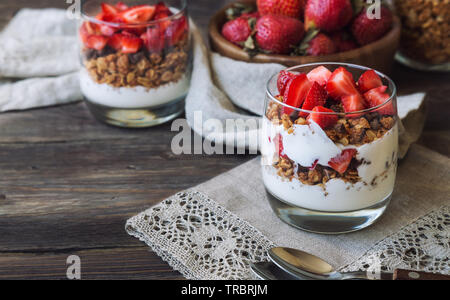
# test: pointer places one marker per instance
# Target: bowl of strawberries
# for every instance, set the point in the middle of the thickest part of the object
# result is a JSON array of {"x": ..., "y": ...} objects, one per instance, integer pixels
[{"x": 295, "y": 32}]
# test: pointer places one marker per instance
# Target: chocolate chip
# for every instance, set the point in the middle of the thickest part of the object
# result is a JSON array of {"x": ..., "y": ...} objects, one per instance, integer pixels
[
  {"x": 375, "y": 124},
  {"x": 136, "y": 57},
  {"x": 90, "y": 54},
  {"x": 340, "y": 128}
]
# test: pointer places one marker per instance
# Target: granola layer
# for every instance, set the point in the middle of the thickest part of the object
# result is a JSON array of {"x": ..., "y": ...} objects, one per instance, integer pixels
[
  {"x": 149, "y": 70},
  {"x": 347, "y": 131}
]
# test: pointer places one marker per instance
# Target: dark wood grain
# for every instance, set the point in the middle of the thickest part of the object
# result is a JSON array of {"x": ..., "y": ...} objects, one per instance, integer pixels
[
  {"x": 414, "y": 275},
  {"x": 69, "y": 183}
]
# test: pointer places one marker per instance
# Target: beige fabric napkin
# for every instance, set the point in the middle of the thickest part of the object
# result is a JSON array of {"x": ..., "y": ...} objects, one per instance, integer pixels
[
  {"x": 38, "y": 60},
  {"x": 423, "y": 185},
  {"x": 214, "y": 230}
]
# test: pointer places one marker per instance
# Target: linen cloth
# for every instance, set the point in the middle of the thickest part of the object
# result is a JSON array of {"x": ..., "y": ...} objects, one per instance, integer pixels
[
  {"x": 39, "y": 63},
  {"x": 214, "y": 230}
]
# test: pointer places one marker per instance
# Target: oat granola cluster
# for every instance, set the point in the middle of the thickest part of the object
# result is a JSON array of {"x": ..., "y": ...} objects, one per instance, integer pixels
[
  {"x": 318, "y": 176},
  {"x": 347, "y": 131},
  {"x": 138, "y": 69},
  {"x": 426, "y": 27}
]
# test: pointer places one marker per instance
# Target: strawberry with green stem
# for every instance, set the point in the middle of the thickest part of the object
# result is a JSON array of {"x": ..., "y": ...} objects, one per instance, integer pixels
[
  {"x": 367, "y": 30},
  {"x": 328, "y": 15},
  {"x": 278, "y": 34},
  {"x": 288, "y": 8}
]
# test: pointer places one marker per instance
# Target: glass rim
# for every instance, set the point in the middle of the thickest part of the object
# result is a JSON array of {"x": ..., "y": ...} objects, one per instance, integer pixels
[
  {"x": 365, "y": 111},
  {"x": 93, "y": 19}
]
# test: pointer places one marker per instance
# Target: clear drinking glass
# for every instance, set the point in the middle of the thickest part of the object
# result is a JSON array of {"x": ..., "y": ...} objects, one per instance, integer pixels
[
  {"x": 134, "y": 74},
  {"x": 303, "y": 190}
]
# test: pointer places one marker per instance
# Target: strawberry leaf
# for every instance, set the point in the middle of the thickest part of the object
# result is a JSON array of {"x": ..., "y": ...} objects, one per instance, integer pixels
[
  {"x": 250, "y": 43},
  {"x": 301, "y": 49},
  {"x": 358, "y": 6},
  {"x": 252, "y": 23},
  {"x": 251, "y": 47},
  {"x": 237, "y": 9}
]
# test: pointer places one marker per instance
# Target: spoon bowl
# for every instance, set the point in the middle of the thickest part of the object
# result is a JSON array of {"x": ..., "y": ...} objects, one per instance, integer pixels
[{"x": 300, "y": 264}]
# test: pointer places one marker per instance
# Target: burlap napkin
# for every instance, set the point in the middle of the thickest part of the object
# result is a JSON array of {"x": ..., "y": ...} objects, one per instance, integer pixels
[{"x": 215, "y": 229}]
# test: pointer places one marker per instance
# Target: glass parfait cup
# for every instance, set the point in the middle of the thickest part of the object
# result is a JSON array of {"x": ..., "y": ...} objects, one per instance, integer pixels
[
  {"x": 300, "y": 160},
  {"x": 134, "y": 73}
]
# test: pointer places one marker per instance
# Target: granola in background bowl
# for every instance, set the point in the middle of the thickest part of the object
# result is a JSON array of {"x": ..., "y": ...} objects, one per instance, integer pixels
[{"x": 425, "y": 41}]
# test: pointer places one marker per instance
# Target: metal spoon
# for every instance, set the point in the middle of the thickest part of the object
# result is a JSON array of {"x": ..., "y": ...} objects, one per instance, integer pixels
[
  {"x": 301, "y": 264},
  {"x": 270, "y": 271}
]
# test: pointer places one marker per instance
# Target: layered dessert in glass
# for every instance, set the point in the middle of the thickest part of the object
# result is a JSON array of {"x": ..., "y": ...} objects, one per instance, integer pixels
[
  {"x": 329, "y": 146},
  {"x": 136, "y": 60}
]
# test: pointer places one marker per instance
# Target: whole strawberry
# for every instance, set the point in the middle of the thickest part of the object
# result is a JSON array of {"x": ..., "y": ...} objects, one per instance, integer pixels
[
  {"x": 288, "y": 8},
  {"x": 328, "y": 15},
  {"x": 343, "y": 41},
  {"x": 277, "y": 34},
  {"x": 237, "y": 31},
  {"x": 367, "y": 30},
  {"x": 321, "y": 45}
]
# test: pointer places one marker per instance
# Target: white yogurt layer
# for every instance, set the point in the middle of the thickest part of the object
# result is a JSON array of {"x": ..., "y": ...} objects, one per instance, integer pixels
[
  {"x": 132, "y": 97},
  {"x": 309, "y": 143}
]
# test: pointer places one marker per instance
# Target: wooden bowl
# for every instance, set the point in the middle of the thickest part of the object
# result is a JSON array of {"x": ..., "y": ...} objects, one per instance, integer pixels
[{"x": 378, "y": 55}]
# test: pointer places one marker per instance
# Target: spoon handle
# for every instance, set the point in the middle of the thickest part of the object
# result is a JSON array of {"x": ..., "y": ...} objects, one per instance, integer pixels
[{"x": 401, "y": 274}]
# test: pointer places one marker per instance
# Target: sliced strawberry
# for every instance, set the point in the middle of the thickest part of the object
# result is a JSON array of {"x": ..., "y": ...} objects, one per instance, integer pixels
[
  {"x": 107, "y": 30},
  {"x": 84, "y": 32},
  {"x": 115, "y": 41},
  {"x": 87, "y": 29},
  {"x": 313, "y": 167},
  {"x": 121, "y": 6},
  {"x": 279, "y": 148},
  {"x": 163, "y": 24},
  {"x": 341, "y": 84},
  {"x": 131, "y": 44},
  {"x": 108, "y": 9},
  {"x": 138, "y": 14},
  {"x": 153, "y": 40},
  {"x": 317, "y": 96},
  {"x": 176, "y": 31},
  {"x": 376, "y": 97},
  {"x": 135, "y": 30},
  {"x": 353, "y": 102},
  {"x": 283, "y": 79},
  {"x": 369, "y": 80},
  {"x": 107, "y": 17},
  {"x": 341, "y": 162},
  {"x": 323, "y": 120},
  {"x": 295, "y": 92},
  {"x": 97, "y": 42},
  {"x": 319, "y": 75},
  {"x": 162, "y": 8}
]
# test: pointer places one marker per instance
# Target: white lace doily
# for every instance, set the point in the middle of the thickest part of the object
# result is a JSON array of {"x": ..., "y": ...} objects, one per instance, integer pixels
[
  {"x": 423, "y": 245},
  {"x": 202, "y": 240},
  {"x": 199, "y": 238}
]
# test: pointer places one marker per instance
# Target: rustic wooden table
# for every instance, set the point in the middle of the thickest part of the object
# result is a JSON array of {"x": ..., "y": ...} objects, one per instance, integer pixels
[{"x": 69, "y": 183}]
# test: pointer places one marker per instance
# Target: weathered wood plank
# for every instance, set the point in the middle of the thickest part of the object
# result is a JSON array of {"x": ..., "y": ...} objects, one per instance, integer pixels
[
  {"x": 68, "y": 183},
  {"x": 118, "y": 263}
]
